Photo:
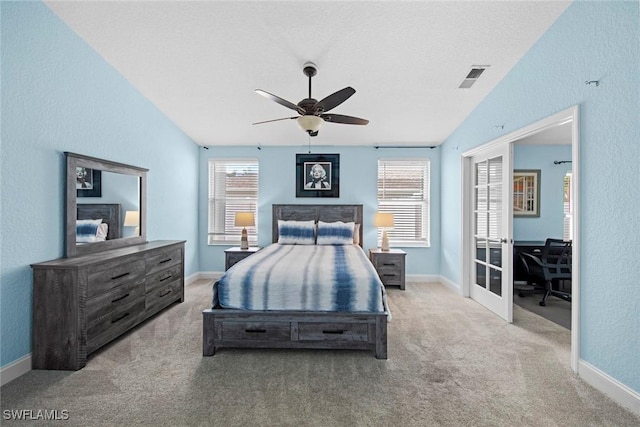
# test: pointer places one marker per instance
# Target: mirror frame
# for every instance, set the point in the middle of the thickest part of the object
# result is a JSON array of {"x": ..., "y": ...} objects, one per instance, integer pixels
[{"x": 74, "y": 160}]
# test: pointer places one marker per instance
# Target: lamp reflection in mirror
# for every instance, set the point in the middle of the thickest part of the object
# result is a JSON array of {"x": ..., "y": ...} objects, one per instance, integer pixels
[
  {"x": 384, "y": 220},
  {"x": 244, "y": 220},
  {"x": 132, "y": 219}
]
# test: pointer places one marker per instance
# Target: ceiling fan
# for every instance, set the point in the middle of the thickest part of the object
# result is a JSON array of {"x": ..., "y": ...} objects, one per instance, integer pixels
[{"x": 313, "y": 113}]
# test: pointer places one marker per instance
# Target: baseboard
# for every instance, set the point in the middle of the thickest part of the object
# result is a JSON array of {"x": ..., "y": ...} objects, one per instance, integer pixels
[
  {"x": 201, "y": 275},
  {"x": 15, "y": 369},
  {"x": 451, "y": 285},
  {"x": 617, "y": 391},
  {"x": 422, "y": 278}
]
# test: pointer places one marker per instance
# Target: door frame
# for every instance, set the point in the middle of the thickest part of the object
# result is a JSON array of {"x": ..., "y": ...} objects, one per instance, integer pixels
[{"x": 570, "y": 115}]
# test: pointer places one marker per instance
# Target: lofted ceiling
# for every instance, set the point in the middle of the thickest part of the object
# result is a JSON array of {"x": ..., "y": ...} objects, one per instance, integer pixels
[{"x": 199, "y": 62}]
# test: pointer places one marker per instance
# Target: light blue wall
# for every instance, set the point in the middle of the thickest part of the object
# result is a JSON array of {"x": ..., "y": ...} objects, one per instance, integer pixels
[
  {"x": 551, "y": 219},
  {"x": 358, "y": 177},
  {"x": 590, "y": 41},
  {"x": 59, "y": 95}
]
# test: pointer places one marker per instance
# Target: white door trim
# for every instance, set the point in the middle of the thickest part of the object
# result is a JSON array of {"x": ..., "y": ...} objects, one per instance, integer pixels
[{"x": 570, "y": 115}]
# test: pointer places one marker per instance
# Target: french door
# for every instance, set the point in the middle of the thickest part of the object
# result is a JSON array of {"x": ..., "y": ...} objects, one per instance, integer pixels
[{"x": 490, "y": 242}]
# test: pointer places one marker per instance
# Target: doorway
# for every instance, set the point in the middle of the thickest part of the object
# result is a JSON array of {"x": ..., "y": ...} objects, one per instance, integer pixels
[{"x": 472, "y": 208}]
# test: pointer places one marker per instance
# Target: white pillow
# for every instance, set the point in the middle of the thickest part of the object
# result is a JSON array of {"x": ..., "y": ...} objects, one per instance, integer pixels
[
  {"x": 296, "y": 232},
  {"x": 103, "y": 230},
  {"x": 356, "y": 234},
  {"x": 335, "y": 233}
]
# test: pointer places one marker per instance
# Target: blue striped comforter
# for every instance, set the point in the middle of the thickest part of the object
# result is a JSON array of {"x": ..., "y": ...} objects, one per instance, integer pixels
[{"x": 302, "y": 277}]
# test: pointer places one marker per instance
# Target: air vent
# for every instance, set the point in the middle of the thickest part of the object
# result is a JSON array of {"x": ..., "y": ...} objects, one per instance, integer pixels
[{"x": 472, "y": 76}]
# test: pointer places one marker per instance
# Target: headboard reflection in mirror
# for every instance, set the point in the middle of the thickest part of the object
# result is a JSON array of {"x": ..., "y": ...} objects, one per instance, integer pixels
[{"x": 106, "y": 205}]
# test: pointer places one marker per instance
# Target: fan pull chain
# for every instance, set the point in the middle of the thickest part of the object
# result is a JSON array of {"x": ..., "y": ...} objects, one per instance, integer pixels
[{"x": 309, "y": 144}]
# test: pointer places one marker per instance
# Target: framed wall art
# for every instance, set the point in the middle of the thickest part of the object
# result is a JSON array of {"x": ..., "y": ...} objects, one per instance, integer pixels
[
  {"x": 317, "y": 175},
  {"x": 526, "y": 193},
  {"x": 88, "y": 182}
]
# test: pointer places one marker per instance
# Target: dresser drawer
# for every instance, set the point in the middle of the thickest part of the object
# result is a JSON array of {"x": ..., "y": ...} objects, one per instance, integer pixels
[
  {"x": 162, "y": 296},
  {"x": 115, "y": 322},
  {"x": 113, "y": 300},
  {"x": 161, "y": 260},
  {"x": 267, "y": 331},
  {"x": 104, "y": 277},
  {"x": 333, "y": 331},
  {"x": 162, "y": 278}
]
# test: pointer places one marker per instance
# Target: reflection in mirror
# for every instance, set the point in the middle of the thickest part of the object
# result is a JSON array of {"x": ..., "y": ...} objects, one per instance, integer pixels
[{"x": 106, "y": 204}]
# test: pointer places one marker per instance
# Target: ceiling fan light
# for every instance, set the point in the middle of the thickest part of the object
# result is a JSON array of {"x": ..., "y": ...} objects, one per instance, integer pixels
[{"x": 310, "y": 123}]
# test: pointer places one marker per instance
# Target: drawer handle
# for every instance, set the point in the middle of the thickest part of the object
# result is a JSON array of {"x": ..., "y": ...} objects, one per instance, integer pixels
[
  {"x": 120, "y": 275},
  {"x": 166, "y": 260},
  {"x": 119, "y": 318},
  {"x": 255, "y": 331},
  {"x": 168, "y": 277},
  {"x": 388, "y": 263},
  {"x": 389, "y": 275},
  {"x": 121, "y": 298},
  {"x": 337, "y": 332},
  {"x": 166, "y": 293}
]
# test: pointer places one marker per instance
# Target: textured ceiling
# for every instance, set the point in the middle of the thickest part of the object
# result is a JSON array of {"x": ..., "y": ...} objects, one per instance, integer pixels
[{"x": 200, "y": 62}]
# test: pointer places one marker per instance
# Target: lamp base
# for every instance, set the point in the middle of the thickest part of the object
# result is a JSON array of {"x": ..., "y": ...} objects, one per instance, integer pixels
[
  {"x": 244, "y": 241},
  {"x": 385, "y": 241}
]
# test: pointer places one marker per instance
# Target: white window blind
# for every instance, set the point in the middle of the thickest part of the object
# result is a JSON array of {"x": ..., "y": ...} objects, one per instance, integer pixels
[
  {"x": 233, "y": 187},
  {"x": 567, "y": 226},
  {"x": 403, "y": 190}
]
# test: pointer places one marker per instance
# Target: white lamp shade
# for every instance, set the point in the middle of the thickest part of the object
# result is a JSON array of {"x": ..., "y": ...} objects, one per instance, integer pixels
[
  {"x": 383, "y": 219},
  {"x": 245, "y": 219},
  {"x": 310, "y": 123},
  {"x": 132, "y": 219}
]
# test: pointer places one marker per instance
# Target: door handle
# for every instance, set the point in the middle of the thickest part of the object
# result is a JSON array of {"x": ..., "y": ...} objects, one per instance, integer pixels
[{"x": 503, "y": 240}]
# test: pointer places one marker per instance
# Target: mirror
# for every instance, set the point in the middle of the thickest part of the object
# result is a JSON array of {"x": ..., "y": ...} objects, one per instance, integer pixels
[{"x": 106, "y": 205}]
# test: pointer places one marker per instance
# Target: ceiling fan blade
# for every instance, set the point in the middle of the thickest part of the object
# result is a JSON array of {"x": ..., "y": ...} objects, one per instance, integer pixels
[
  {"x": 335, "y": 99},
  {"x": 274, "y": 120},
  {"x": 339, "y": 118},
  {"x": 280, "y": 101}
]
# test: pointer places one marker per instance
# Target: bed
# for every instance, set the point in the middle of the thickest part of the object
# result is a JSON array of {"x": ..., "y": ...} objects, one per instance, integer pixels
[
  {"x": 109, "y": 213},
  {"x": 354, "y": 326}
]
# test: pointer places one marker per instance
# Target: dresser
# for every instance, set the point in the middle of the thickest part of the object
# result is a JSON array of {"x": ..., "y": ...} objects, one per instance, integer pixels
[
  {"x": 390, "y": 266},
  {"x": 84, "y": 302}
]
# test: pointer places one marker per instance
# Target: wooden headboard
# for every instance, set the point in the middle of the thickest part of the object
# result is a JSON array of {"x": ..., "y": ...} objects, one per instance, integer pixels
[
  {"x": 326, "y": 213},
  {"x": 109, "y": 212}
]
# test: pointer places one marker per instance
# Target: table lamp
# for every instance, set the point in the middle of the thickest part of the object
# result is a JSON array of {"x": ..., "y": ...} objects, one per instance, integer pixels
[
  {"x": 132, "y": 219},
  {"x": 244, "y": 220},
  {"x": 383, "y": 220}
]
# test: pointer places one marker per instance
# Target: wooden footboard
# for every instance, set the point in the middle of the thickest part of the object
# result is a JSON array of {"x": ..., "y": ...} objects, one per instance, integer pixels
[{"x": 294, "y": 329}]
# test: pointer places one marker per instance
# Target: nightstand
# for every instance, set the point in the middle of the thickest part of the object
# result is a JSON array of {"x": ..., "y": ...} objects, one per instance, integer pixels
[
  {"x": 389, "y": 265},
  {"x": 235, "y": 254}
]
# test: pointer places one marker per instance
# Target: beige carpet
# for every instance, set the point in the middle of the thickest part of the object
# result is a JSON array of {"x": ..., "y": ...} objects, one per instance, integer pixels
[{"x": 451, "y": 363}]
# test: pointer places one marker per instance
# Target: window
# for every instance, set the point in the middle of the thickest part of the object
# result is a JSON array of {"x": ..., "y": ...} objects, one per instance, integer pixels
[
  {"x": 567, "y": 228},
  {"x": 403, "y": 189},
  {"x": 233, "y": 187}
]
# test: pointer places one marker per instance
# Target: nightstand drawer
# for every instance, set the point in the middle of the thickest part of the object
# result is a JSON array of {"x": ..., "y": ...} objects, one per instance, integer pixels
[{"x": 233, "y": 256}]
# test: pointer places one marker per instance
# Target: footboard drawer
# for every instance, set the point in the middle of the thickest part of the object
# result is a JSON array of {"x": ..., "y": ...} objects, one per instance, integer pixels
[
  {"x": 258, "y": 331},
  {"x": 333, "y": 331}
]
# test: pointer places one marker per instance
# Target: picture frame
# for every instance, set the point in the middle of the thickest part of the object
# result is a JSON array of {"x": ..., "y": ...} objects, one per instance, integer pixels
[
  {"x": 88, "y": 182},
  {"x": 526, "y": 193},
  {"x": 317, "y": 175}
]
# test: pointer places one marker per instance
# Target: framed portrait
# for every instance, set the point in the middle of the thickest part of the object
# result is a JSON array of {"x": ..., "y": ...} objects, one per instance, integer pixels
[
  {"x": 88, "y": 182},
  {"x": 317, "y": 175},
  {"x": 526, "y": 193}
]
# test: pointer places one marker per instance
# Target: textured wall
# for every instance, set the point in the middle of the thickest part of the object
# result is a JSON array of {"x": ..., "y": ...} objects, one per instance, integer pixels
[
  {"x": 59, "y": 95},
  {"x": 590, "y": 41},
  {"x": 550, "y": 222},
  {"x": 358, "y": 177}
]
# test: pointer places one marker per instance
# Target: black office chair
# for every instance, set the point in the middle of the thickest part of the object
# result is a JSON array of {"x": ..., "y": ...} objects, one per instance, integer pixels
[{"x": 552, "y": 267}]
